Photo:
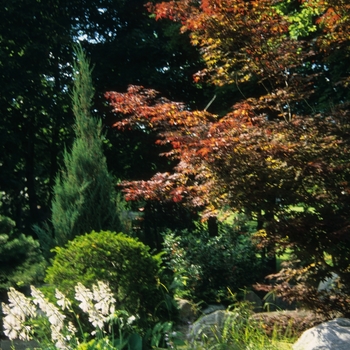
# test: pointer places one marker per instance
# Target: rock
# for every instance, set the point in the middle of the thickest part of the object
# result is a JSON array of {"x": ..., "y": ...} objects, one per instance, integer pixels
[
  {"x": 331, "y": 335},
  {"x": 212, "y": 308},
  {"x": 18, "y": 345},
  {"x": 329, "y": 283},
  {"x": 257, "y": 303},
  {"x": 211, "y": 324},
  {"x": 187, "y": 311},
  {"x": 275, "y": 303},
  {"x": 285, "y": 322}
]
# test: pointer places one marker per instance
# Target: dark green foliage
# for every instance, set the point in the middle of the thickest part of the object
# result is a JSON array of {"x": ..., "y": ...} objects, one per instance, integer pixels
[
  {"x": 204, "y": 266},
  {"x": 123, "y": 262},
  {"x": 21, "y": 262},
  {"x": 34, "y": 104},
  {"x": 126, "y": 46},
  {"x": 84, "y": 196}
]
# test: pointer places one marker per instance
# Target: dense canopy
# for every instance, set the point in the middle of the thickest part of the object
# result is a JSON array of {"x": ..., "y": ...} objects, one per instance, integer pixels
[{"x": 281, "y": 153}]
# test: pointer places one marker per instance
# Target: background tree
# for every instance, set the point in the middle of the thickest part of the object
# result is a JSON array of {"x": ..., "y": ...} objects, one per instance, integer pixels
[
  {"x": 280, "y": 155},
  {"x": 35, "y": 48},
  {"x": 126, "y": 46},
  {"x": 84, "y": 195}
]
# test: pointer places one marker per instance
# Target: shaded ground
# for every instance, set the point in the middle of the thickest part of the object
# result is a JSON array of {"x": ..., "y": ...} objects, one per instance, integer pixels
[{"x": 18, "y": 345}]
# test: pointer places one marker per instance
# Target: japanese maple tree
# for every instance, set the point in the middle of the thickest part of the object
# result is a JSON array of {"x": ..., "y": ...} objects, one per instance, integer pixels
[{"x": 282, "y": 154}]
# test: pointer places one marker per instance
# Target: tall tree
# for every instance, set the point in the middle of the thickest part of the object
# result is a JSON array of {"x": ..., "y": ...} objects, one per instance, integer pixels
[
  {"x": 35, "y": 48},
  {"x": 125, "y": 44},
  {"x": 84, "y": 196},
  {"x": 280, "y": 155}
]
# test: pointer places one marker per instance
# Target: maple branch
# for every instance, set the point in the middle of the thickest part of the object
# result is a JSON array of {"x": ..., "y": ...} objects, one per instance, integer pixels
[
  {"x": 209, "y": 104},
  {"x": 239, "y": 89}
]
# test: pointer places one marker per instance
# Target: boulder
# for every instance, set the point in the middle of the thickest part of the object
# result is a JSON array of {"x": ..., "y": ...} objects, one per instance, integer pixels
[
  {"x": 287, "y": 322},
  {"x": 212, "y": 324},
  {"x": 187, "y": 311},
  {"x": 255, "y": 300},
  {"x": 331, "y": 335},
  {"x": 329, "y": 283},
  {"x": 275, "y": 303},
  {"x": 212, "y": 308}
]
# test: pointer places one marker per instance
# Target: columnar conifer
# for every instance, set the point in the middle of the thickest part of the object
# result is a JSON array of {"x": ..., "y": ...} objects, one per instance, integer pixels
[{"x": 84, "y": 198}]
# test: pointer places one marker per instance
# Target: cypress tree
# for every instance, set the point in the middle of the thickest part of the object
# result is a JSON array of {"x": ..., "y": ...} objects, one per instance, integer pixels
[{"x": 84, "y": 195}]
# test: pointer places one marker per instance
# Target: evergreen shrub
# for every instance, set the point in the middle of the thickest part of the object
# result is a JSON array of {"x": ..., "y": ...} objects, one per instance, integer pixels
[
  {"x": 121, "y": 261},
  {"x": 84, "y": 192},
  {"x": 208, "y": 268},
  {"x": 21, "y": 261}
]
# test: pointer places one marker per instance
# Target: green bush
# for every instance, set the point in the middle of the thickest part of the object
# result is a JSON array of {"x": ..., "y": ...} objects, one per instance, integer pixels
[
  {"x": 123, "y": 262},
  {"x": 205, "y": 267},
  {"x": 21, "y": 261}
]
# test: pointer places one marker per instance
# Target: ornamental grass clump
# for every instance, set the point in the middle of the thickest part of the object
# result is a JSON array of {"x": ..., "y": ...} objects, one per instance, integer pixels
[
  {"x": 37, "y": 318},
  {"x": 239, "y": 331}
]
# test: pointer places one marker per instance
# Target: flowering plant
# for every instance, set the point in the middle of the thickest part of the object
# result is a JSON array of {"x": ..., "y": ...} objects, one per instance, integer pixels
[{"x": 25, "y": 317}]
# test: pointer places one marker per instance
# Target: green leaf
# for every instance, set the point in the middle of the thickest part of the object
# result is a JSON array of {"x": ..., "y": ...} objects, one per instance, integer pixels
[{"x": 135, "y": 342}]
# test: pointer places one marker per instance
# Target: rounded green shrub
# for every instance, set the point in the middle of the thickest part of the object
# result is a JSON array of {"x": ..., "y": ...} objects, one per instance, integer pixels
[
  {"x": 121, "y": 261},
  {"x": 205, "y": 268}
]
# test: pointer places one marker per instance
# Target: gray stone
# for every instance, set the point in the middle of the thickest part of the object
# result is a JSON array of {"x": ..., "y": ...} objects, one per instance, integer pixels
[
  {"x": 331, "y": 335},
  {"x": 257, "y": 303},
  {"x": 18, "y": 345},
  {"x": 212, "y": 324},
  {"x": 329, "y": 283},
  {"x": 275, "y": 303},
  {"x": 283, "y": 321},
  {"x": 212, "y": 308},
  {"x": 187, "y": 311}
]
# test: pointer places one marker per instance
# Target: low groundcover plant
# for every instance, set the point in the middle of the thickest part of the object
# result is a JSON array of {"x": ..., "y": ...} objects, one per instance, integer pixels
[{"x": 25, "y": 317}]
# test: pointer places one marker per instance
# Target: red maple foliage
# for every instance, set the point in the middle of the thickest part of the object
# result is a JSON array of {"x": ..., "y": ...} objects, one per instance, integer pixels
[{"x": 279, "y": 156}]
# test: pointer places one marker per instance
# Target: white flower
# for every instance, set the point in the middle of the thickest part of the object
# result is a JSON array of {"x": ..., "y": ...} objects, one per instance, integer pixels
[
  {"x": 16, "y": 312},
  {"x": 131, "y": 319},
  {"x": 104, "y": 302},
  {"x": 85, "y": 296},
  {"x": 12, "y": 325},
  {"x": 62, "y": 301},
  {"x": 96, "y": 319},
  {"x": 98, "y": 304},
  {"x": 19, "y": 304},
  {"x": 104, "y": 298},
  {"x": 58, "y": 339},
  {"x": 54, "y": 316},
  {"x": 39, "y": 298},
  {"x": 25, "y": 333},
  {"x": 71, "y": 330},
  {"x": 10, "y": 331}
]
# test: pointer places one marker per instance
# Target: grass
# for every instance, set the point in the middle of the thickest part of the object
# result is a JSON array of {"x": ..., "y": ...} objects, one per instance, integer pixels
[{"x": 239, "y": 332}]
